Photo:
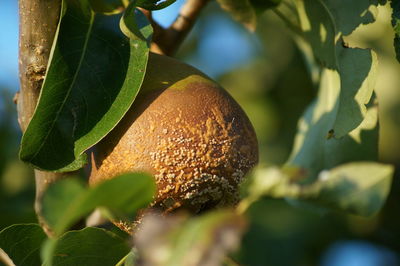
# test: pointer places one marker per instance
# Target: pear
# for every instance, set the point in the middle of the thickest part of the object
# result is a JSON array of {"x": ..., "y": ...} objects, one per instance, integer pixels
[{"x": 185, "y": 130}]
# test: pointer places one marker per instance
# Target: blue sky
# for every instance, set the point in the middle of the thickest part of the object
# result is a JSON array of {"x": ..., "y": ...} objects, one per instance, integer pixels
[{"x": 9, "y": 44}]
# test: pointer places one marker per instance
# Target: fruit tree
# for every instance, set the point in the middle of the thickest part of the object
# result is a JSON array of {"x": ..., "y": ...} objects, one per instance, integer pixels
[{"x": 140, "y": 158}]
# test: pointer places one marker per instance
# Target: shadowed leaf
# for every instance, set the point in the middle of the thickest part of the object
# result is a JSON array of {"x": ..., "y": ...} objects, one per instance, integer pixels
[
  {"x": 22, "y": 243},
  {"x": 396, "y": 26},
  {"x": 89, "y": 246},
  {"x": 338, "y": 127},
  {"x": 348, "y": 17},
  {"x": 316, "y": 148}
]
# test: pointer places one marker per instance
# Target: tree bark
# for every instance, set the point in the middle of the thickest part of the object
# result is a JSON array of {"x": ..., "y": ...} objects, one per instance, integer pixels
[{"x": 37, "y": 27}]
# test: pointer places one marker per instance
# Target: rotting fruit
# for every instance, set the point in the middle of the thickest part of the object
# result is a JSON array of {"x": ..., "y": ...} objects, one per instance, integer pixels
[{"x": 185, "y": 130}]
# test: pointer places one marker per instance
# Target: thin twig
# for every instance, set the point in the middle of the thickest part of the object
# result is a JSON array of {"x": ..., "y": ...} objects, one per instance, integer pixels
[
  {"x": 167, "y": 41},
  {"x": 4, "y": 258}
]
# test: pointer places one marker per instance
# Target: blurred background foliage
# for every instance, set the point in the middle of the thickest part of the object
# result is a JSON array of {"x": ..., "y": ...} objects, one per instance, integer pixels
[{"x": 265, "y": 72}]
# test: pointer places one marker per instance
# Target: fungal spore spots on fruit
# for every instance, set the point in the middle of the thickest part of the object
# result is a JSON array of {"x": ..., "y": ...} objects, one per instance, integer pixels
[{"x": 192, "y": 136}]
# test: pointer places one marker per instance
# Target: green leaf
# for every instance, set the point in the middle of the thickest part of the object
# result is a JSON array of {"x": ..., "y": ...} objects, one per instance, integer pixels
[
  {"x": 136, "y": 27},
  {"x": 315, "y": 148},
  {"x": 272, "y": 182},
  {"x": 66, "y": 201},
  {"x": 154, "y": 4},
  {"x": 203, "y": 240},
  {"x": 246, "y": 11},
  {"x": 348, "y": 17},
  {"x": 360, "y": 187},
  {"x": 341, "y": 125},
  {"x": 93, "y": 77},
  {"x": 338, "y": 127},
  {"x": 325, "y": 22},
  {"x": 396, "y": 26},
  {"x": 89, "y": 246},
  {"x": 22, "y": 243},
  {"x": 128, "y": 260},
  {"x": 358, "y": 73},
  {"x": 319, "y": 31}
]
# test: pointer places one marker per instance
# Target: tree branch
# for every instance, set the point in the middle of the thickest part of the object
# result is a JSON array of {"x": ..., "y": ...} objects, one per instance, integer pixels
[
  {"x": 38, "y": 24},
  {"x": 4, "y": 258},
  {"x": 167, "y": 41}
]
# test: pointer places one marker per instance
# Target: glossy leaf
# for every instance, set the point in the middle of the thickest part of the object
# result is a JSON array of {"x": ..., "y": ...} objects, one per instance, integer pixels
[
  {"x": 66, "y": 201},
  {"x": 154, "y": 4},
  {"x": 137, "y": 27},
  {"x": 93, "y": 77},
  {"x": 359, "y": 187},
  {"x": 396, "y": 26},
  {"x": 21, "y": 242},
  {"x": 176, "y": 240},
  {"x": 89, "y": 246}
]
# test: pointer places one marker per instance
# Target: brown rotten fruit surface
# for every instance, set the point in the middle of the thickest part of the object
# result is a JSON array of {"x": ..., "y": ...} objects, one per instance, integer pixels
[{"x": 186, "y": 131}]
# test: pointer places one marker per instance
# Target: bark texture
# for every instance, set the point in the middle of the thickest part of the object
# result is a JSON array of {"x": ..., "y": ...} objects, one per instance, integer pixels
[{"x": 38, "y": 24}]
